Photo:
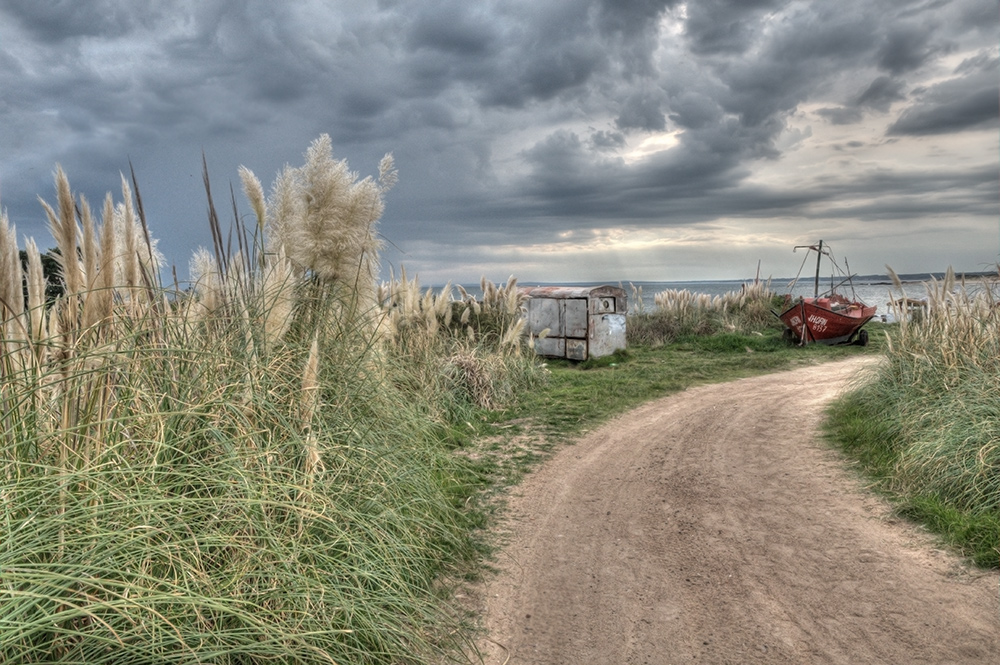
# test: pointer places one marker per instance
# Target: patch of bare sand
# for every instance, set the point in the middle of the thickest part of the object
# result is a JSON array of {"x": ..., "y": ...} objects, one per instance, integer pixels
[{"x": 714, "y": 526}]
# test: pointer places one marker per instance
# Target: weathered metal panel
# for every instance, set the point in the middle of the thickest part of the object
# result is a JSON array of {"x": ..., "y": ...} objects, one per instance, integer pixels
[
  {"x": 604, "y": 305},
  {"x": 554, "y": 347},
  {"x": 576, "y": 349},
  {"x": 545, "y": 313},
  {"x": 575, "y": 323},
  {"x": 607, "y": 334}
]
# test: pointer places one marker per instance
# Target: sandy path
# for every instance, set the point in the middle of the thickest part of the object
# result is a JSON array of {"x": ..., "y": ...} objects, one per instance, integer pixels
[{"x": 689, "y": 531}]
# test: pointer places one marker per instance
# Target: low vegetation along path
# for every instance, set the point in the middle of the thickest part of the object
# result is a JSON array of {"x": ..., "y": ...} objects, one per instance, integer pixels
[{"x": 715, "y": 526}]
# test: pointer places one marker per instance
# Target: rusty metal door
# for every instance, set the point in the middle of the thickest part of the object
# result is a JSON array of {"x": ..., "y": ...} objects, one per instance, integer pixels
[{"x": 575, "y": 318}]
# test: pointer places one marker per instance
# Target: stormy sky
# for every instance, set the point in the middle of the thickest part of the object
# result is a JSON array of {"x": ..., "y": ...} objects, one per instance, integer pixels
[{"x": 556, "y": 140}]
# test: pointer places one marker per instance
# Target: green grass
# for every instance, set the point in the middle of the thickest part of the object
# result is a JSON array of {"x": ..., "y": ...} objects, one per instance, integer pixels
[{"x": 185, "y": 525}]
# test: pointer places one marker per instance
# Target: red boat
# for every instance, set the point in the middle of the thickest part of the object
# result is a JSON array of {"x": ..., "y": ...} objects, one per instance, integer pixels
[{"x": 830, "y": 319}]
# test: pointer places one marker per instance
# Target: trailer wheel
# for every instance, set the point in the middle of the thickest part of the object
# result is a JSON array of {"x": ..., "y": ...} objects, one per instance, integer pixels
[{"x": 862, "y": 338}]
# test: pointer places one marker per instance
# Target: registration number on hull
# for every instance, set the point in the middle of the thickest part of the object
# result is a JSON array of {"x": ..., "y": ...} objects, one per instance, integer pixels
[{"x": 818, "y": 322}]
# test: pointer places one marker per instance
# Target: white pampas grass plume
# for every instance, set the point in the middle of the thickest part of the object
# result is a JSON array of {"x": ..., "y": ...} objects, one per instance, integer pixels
[
  {"x": 104, "y": 282},
  {"x": 255, "y": 194},
  {"x": 90, "y": 248},
  {"x": 135, "y": 254},
  {"x": 387, "y": 174},
  {"x": 325, "y": 218},
  {"x": 36, "y": 291},
  {"x": 513, "y": 335},
  {"x": 11, "y": 296},
  {"x": 279, "y": 299},
  {"x": 64, "y": 230},
  {"x": 207, "y": 280},
  {"x": 127, "y": 242}
]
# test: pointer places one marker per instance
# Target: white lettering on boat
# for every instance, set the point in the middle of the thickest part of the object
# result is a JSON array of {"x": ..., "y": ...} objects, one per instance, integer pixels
[{"x": 818, "y": 322}]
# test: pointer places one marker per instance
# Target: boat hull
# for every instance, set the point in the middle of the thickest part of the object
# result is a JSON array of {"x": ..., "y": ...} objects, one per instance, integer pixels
[{"x": 833, "y": 320}]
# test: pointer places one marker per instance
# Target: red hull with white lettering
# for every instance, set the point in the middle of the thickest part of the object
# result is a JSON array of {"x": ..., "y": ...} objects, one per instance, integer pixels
[{"x": 829, "y": 320}]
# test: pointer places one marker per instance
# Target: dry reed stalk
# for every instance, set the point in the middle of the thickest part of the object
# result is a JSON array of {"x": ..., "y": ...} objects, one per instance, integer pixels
[
  {"x": 101, "y": 300},
  {"x": 310, "y": 384},
  {"x": 64, "y": 230},
  {"x": 278, "y": 293},
  {"x": 312, "y": 462},
  {"x": 36, "y": 294},
  {"x": 11, "y": 298}
]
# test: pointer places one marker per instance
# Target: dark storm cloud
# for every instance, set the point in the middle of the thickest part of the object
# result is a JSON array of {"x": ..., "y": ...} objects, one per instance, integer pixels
[
  {"x": 642, "y": 112},
  {"x": 968, "y": 101},
  {"x": 61, "y": 20},
  {"x": 693, "y": 110},
  {"x": 453, "y": 28},
  {"x": 502, "y": 114},
  {"x": 905, "y": 49},
  {"x": 631, "y": 26},
  {"x": 604, "y": 140},
  {"x": 882, "y": 92},
  {"x": 725, "y": 26}
]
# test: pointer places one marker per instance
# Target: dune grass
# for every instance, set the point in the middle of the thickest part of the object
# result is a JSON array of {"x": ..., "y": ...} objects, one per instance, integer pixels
[
  {"x": 678, "y": 313},
  {"x": 248, "y": 471},
  {"x": 926, "y": 427}
]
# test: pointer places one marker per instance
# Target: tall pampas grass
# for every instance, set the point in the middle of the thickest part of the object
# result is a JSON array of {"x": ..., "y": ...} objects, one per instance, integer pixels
[
  {"x": 247, "y": 471},
  {"x": 324, "y": 218},
  {"x": 934, "y": 400},
  {"x": 467, "y": 347},
  {"x": 679, "y": 312}
]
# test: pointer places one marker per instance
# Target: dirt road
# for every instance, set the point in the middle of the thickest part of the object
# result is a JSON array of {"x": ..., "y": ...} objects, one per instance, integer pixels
[{"x": 713, "y": 526}]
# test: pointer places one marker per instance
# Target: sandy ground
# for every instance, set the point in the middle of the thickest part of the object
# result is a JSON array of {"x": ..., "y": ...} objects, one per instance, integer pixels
[{"x": 714, "y": 526}]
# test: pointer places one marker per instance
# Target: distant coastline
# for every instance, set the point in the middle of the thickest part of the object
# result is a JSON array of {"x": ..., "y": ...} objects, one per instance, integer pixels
[
  {"x": 918, "y": 278},
  {"x": 869, "y": 280}
]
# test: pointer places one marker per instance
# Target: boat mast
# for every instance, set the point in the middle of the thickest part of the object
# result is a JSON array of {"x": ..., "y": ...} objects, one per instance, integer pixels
[{"x": 819, "y": 257}]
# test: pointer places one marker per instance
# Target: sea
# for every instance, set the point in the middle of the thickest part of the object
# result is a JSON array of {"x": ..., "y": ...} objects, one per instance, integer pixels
[{"x": 877, "y": 290}]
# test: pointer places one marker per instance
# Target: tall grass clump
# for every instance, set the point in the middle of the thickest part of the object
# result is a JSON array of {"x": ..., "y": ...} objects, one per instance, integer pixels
[
  {"x": 927, "y": 424},
  {"x": 679, "y": 312},
  {"x": 228, "y": 474},
  {"x": 470, "y": 352}
]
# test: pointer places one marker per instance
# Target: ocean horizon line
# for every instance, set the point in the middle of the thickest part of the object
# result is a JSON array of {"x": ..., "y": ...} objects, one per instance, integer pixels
[{"x": 870, "y": 279}]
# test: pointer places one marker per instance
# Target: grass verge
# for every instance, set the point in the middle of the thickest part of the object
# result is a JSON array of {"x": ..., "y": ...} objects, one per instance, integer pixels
[
  {"x": 925, "y": 428},
  {"x": 922, "y": 452}
]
